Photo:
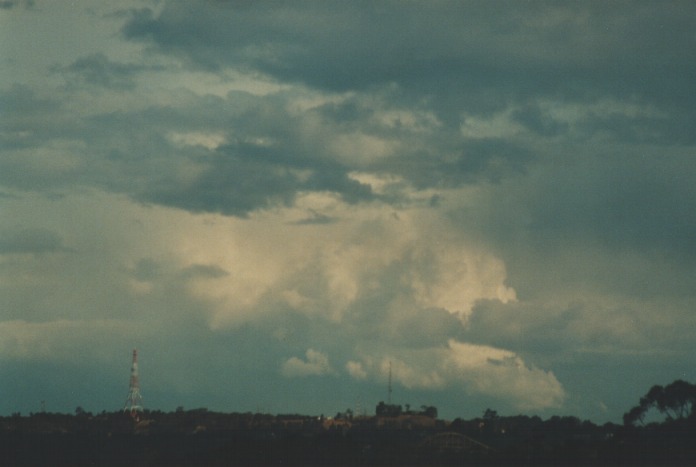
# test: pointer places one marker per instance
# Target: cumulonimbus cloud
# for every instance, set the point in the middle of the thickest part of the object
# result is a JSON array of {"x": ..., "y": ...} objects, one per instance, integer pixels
[{"x": 330, "y": 270}]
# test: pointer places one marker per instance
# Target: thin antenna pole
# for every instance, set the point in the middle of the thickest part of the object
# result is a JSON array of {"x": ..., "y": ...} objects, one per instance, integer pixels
[{"x": 389, "y": 388}]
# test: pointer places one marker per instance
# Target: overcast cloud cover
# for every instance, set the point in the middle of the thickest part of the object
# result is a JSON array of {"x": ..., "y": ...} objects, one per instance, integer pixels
[{"x": 272, "y": 201}]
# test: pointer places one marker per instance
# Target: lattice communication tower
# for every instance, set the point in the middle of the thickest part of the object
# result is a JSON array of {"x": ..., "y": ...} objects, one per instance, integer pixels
[{"x": 134, "y": 401}]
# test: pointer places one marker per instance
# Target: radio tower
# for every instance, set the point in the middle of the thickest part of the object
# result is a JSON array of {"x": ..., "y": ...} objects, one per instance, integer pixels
[
  {"x": 389, "y": 388},
  {"x": 134, "y": 402}
]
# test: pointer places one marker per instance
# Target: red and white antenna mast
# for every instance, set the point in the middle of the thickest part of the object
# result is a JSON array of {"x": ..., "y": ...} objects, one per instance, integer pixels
[{"x": 134, "y": 402}]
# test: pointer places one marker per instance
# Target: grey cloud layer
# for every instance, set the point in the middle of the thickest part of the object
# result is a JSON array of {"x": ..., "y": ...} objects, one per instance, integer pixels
[
  {"x": 575, "y": 53},
  {"x": 580, "y": 50},
  {"x": 98, "y": 70},
  {"x": 30, "y": 241}
]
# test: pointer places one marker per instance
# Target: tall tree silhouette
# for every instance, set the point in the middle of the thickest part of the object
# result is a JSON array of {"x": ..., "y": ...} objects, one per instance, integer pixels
[{"x": 676, "y": 401}]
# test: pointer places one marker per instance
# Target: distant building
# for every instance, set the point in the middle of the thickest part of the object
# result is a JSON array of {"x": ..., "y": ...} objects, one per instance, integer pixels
[
  {"x": 395, "y": 410},
  {"x": 388, "y": 410}
]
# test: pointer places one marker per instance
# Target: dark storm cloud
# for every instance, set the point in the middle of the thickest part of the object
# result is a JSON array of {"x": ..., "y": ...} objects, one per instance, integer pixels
[
  {"x": 538, "y": 121},
  {"x": 10, "y": 4},
  {"x": 238, "y": 179},
  {"x": 30, "y": 241},
  {"x": 611, "y": 225},
  {"x": 474, "y": 161},
  {"x": 451, "y": 49},
  {"x": 316, "y": 218},
  {"x": 230, "y": 185},
  {"x": 637, "y": 198},
  {"x": 146, "y": 269},
  {"x": 455, "y": 58},
  {"x": 28, "y": 118},
  {"x": 98, "y": 70},
  {"x": 131, "y": 152},
  {"x": 547, "y": 332},
  {"x": 448, "y": 58},
  {"x": 672, "y": 129}
]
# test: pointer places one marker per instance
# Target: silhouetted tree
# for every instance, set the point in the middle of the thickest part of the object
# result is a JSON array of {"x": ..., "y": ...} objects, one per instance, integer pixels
[
  {"x": 635, "y": 415},
  {"x": 388, "y": 410},
  {"x": 677, "y": 400},
  {"x": 429, "y": 411}
]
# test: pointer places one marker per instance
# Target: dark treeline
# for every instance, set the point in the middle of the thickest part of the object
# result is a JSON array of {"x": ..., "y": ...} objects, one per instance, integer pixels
[{"x": 660, "y": 430}]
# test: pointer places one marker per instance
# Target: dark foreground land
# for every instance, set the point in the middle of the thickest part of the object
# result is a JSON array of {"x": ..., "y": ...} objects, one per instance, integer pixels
[{"x": 201, "y": 437}]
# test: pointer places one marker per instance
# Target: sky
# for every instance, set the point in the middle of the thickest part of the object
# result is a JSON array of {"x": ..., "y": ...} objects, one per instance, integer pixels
[{"x": 275, "y": 202}]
